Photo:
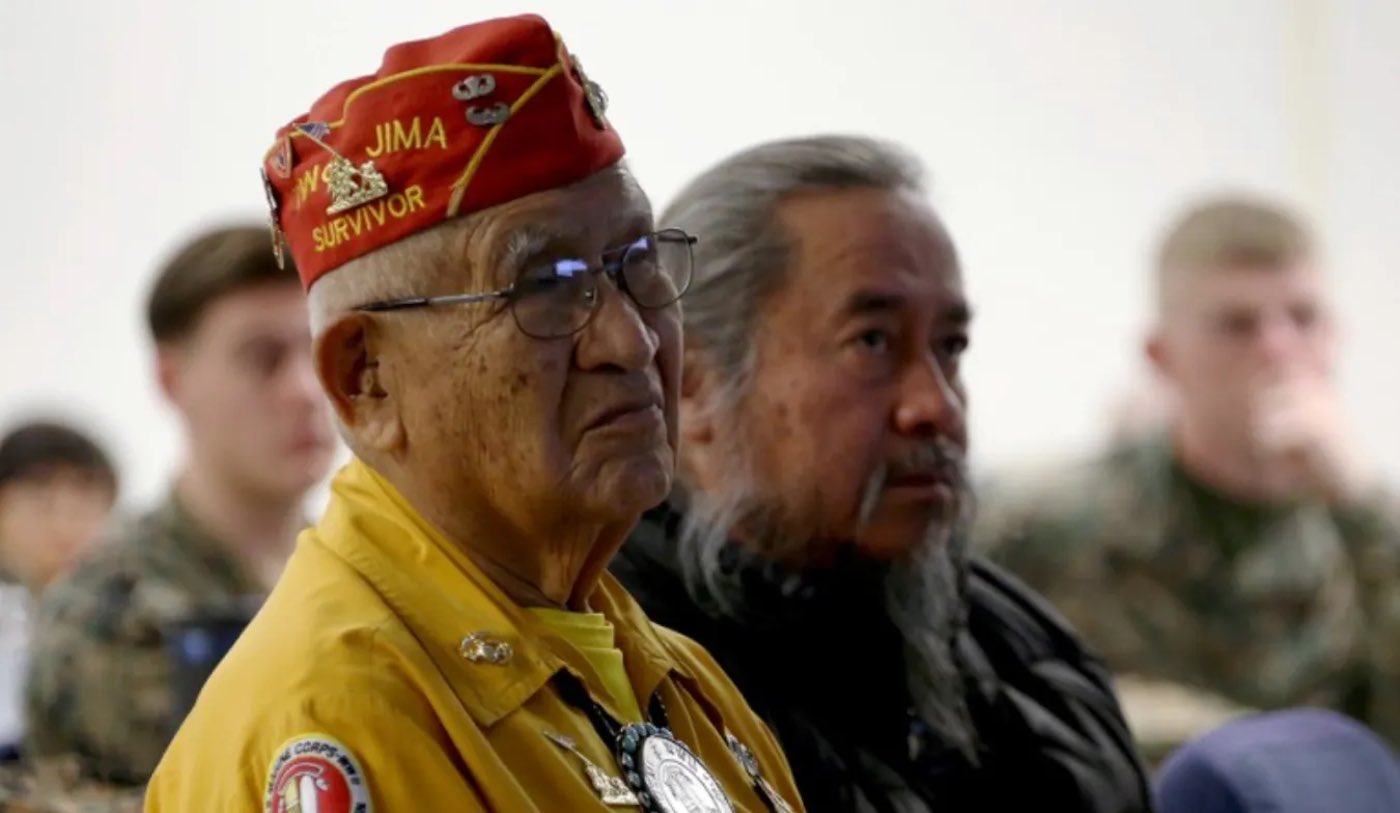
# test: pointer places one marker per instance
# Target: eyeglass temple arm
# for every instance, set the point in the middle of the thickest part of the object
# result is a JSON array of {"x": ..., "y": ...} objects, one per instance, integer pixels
[{"x": 428, "y": 301}]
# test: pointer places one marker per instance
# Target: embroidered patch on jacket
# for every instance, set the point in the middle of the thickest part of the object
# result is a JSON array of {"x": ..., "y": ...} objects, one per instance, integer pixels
[{"x": 314, "y": 773}]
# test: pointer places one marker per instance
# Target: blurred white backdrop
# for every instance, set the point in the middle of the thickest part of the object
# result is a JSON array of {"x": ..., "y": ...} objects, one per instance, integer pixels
[{"x": 1060, "y": 137}]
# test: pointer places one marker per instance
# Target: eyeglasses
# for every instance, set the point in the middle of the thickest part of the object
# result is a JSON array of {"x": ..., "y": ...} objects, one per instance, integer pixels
[{"x": 552, "y": 299}]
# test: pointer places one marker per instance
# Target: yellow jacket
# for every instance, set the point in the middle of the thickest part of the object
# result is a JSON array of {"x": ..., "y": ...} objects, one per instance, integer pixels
[{"x": 360, "y": 683}]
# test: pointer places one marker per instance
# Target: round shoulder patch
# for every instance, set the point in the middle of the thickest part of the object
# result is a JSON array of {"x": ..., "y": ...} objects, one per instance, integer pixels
[{"x": 314, "y": 773}]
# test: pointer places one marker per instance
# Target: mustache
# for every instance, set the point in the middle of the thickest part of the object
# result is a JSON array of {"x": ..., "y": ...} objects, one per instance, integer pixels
[{"x": 939, "y": 456}]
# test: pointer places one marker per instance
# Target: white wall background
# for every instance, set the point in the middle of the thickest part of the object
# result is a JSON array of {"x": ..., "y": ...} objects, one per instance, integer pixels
[{"x": 1061, "y": 134}]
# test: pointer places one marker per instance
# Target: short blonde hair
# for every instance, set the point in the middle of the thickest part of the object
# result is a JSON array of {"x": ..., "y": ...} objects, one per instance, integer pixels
[{"x": 1231, "y": 232}]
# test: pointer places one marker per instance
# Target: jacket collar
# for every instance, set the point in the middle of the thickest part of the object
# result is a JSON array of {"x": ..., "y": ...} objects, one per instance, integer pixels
[{"x": 453, "y": 608}]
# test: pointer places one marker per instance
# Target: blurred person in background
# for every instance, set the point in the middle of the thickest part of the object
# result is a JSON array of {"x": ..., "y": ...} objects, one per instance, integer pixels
[
  {"x": 1247, "y": 551},
  {"x": 232, "y": 354},
  {"x": 817, "y": 544},
  {"x": 57, "y": 488}
]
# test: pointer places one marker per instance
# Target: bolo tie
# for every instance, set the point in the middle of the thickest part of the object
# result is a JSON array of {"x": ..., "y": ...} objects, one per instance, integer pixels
[{"x": 662, "y": 773}]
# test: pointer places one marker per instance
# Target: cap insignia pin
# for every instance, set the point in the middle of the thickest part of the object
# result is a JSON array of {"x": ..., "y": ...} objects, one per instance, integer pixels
[
  {"x": 474, "y": 87},
  {"x": 593, "y": 93},
  {"x": 279, "y": 240},
  {"x": 488, "y": 116},
  {"x": 350, "y": 186}
]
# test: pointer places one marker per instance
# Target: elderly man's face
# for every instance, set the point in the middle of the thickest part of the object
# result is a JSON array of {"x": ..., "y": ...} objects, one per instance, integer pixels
[
  {"x": 534, "y": 429},
  {"x": 855, "y": 419}
]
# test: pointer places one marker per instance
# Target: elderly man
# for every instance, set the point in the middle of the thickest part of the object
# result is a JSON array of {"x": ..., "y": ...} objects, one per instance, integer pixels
[
  {"x": 1248, "y": 550},
  {"x": 817, "y": 548},
  {"x": 497, "y": 330}
]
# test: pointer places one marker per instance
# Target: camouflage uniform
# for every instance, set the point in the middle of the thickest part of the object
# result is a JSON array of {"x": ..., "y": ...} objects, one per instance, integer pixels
[
  {"x": 1267, "y": 606},
  {"x": 57, "y": 791},
  {"x": 15, "y": 604},
  {"x": 101, "y": 685}
]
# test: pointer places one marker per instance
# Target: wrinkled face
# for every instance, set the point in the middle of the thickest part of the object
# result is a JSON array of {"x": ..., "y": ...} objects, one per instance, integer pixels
[
  {"x": 855, "y": 420},
  {"x": 244, "y": 383},
  {"x": 47, "y": 522},
  {"x": 532, "y": 430},
  {"x": 1227, "y": 333}
]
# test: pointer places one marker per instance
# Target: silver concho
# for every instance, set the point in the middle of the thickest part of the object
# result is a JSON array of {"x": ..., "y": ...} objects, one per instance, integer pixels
[{"x": 666, "y": 776}]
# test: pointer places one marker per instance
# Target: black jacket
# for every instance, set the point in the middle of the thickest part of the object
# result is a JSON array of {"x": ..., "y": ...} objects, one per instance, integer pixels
[{"x": 1053, "y": 736}]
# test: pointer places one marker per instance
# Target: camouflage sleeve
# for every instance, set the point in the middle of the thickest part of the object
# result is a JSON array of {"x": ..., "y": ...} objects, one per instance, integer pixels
[
  {"x": 1052, "y": 529},
  {"x": 98, "y": 687},
  {"x": 1021, "y": 525},
  {"x": 1372, "y": 533}
]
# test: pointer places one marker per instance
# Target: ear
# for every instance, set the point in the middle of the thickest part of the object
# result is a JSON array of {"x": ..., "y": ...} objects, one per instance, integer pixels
[
  {"x": 1155, "y": 349},
  {"x": 699, "y": 388},
  {"x": 350, "y": 369},
  {"x": 168, "y": 358}
]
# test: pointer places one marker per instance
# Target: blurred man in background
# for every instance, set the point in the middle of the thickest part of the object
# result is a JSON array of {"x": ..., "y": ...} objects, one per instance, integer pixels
[
  {"x": 57, "y": 487},
  {"x": 233, "y": 358},
  {"x": 818, "y": 546},
  {"x": 1247, "y": 551}
]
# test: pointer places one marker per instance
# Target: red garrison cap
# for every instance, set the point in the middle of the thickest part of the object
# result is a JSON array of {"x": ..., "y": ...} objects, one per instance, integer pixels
[{"x": 481, "y": 115}]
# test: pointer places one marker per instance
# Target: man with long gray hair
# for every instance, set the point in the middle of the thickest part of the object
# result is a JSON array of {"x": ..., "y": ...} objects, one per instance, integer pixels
[{"x": 817, "y": 544}]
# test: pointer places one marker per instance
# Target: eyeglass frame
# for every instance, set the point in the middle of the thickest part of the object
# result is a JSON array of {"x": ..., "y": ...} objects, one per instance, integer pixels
[{"x": 612, "y": 269}]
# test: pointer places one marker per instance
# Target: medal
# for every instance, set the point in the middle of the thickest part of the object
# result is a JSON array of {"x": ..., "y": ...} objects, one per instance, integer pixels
[
  {"x": 665, "y": 775},
  {"x": 610, "y": 789}
]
